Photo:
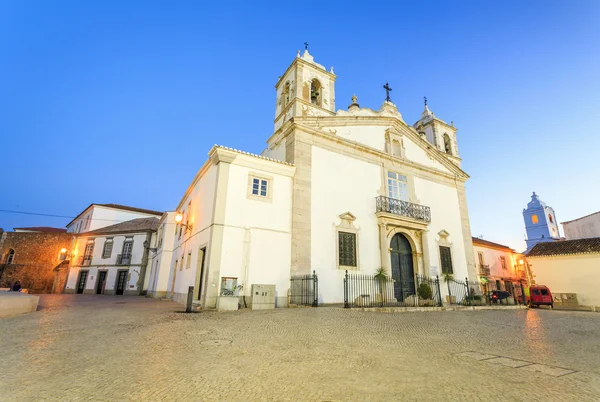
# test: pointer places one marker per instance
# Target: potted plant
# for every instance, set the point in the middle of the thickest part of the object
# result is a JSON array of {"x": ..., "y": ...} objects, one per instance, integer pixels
[
  {"x": 381, "y": 277},
  {"x": 425, "y": 295},
  {"x": 229, "y": 297},
  {"x": 447, "y": 278}
]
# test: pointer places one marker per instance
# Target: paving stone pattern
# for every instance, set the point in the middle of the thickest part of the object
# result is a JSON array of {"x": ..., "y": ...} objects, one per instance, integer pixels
[{"x": 90, "y": 348}]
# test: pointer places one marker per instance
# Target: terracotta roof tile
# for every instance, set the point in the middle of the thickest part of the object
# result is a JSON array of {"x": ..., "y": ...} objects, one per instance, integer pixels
[
  {"x": 565, "y": 247},
  {"x": 477, "y": 240},
  {"x": 134, "y": 225}
]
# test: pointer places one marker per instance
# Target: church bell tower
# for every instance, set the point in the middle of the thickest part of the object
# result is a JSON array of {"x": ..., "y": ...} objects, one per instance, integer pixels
[
  {"x": 305, "y": 89},
  {"x": 540, "y": 222}
]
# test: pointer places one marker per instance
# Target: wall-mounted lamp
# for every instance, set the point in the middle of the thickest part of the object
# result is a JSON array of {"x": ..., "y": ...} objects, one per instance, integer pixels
[
  {"x": 64, "y": 254},
  {"x": 179, "y": 220},
  {"x": 149, "y": 248},
  {"x": 521, "y": 262}
]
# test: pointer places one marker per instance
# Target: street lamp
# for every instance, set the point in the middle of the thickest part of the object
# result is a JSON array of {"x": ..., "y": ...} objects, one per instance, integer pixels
[
  {"x": 179, "y": 220},
  {"x": 64, "y": 254}
]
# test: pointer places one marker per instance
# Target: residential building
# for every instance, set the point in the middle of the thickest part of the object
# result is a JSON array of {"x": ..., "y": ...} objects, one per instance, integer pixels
[
  {"x": 353, "y": 189},
  {"x": 498, "y": 266},
  {"x": 113, "y": 259},
  {"x": 33, "y": 258},
  {"x": 585, "y": 227},
  {"x": 161, "y": 283},
  {"x": 568, "y": 266},
  {"x": 540, "y": 222},
  {"x": 97, "y": 216}
]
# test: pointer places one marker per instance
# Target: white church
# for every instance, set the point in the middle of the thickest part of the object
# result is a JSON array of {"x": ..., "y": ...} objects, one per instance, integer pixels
[{"x": 334, "y": 191}]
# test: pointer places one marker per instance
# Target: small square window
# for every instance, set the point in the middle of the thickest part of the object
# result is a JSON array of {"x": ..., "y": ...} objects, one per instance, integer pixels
[{"x": 258, "y": 188}]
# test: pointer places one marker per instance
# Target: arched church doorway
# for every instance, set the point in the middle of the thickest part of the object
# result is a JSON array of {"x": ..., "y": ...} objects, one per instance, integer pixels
[{"x": 403, "y": 272}]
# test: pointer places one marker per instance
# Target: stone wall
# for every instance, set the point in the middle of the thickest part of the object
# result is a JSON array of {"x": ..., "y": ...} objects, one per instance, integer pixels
[{"x": 36, "y": 256}]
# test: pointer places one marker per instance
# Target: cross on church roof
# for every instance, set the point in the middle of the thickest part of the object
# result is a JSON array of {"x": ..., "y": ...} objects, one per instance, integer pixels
[
  {"x": 425, "y": 99},
  {"x": 305, "y": 45},
  {"x": 387, "y": 92}
]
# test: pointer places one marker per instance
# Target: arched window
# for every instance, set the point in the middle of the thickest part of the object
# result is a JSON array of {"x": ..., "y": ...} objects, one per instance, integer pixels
[
  {"x": 550, "y": 218},
  {"x": 447, "y": 144},
  {"x": 286, "y": 94},
  {"x": 10, "y": 257},
  {"x": 534, "y": 219},
  {"x": 315, "y": 92}
]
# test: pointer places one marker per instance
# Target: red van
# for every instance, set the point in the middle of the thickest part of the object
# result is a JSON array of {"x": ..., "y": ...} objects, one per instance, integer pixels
[{"x": 539, "y": 295}]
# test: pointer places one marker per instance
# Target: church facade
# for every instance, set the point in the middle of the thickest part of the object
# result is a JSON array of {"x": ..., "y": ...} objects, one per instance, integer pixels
[{"x": 334, "y": 191}]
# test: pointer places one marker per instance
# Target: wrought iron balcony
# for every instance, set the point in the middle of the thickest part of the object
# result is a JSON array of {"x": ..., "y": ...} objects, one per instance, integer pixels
[
  {"x": 484, "y": 270},
  {"x": 403, "y": 208},
  {"x": 123, "y": 259}
]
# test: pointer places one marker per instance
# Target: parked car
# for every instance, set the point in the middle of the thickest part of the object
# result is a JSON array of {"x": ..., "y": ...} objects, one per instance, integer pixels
[
  {"x": 539, "y": 295},
  {"x": 496, "y": 296}
]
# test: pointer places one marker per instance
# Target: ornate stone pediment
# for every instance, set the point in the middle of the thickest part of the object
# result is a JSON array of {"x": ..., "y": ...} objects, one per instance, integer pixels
[
  {"x": 443, "y": 233},
  {"x": 347, "y": 216},
  {"x": 347, "y": 221}
]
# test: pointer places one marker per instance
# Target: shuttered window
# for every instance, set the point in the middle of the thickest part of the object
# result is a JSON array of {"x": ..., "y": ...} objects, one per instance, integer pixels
[
  {"x": 446, "y": 258},
  {"x": 108, "y": 246},
  {"x": 347, "y": 249}
]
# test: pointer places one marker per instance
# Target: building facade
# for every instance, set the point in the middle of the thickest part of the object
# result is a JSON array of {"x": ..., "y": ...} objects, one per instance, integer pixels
[
  {"x": 499, "y": 266},
  {"x": 568, "y": 266},
  {"x": 353, "y": 189},
  {"x": 112, "y": 260},
  {"x": 585, "y": 227},
  {"x": 32, "y": 257},
  {"x": 540, "y": 222}
]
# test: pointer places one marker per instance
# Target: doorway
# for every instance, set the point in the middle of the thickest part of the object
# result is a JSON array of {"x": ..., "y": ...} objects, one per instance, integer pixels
[
  {"x": 402, "y": 267},
  {"x": 202, "y": 259},
  {"x": 101, "y": 282},
  {"x": 81, "y": 282},
  {"x": 121, "y": 281}
]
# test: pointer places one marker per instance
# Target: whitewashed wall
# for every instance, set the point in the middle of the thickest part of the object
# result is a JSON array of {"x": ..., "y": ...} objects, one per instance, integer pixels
[
  {"x": 342, "y": 184},
  {"x": 491, "y": 257},
  {"x": 583, "y": 228},
  {"x": 103, "y": 216},
  {"x": 570, "y": 274}
]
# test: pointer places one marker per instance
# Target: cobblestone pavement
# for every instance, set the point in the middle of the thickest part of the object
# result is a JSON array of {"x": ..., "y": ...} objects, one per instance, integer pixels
[{"x": 132, "y": 348}]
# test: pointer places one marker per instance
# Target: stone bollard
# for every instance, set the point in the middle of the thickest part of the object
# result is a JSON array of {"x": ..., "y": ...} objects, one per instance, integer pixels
[{"x": 188, "y": 306}]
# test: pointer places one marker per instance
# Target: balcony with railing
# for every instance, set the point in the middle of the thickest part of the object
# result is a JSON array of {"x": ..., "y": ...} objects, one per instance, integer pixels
[
  {"x": 403, "y": 209},
  {"x": 123, "y": 259},
  {"x": 484, "y": 270}
]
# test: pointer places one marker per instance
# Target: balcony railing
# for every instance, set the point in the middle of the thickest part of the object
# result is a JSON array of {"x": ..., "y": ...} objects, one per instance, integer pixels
[
  {"x": 123, "y": 259},
  {"x": 403, "y": 208},
  {"x": 484, "y": 270}
]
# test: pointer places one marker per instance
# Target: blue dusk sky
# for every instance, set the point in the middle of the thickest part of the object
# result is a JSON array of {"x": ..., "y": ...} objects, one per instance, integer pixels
[{"x": 120, "y": 101}]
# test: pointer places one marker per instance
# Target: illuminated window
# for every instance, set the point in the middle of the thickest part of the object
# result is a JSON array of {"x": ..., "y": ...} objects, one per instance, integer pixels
[
  {"x": 550, "y": 218},
  {"x": 534, "y": 219}
]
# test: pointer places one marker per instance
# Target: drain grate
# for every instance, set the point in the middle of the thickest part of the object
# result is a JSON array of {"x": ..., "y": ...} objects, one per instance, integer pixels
[{"x": 215, "y": 342}]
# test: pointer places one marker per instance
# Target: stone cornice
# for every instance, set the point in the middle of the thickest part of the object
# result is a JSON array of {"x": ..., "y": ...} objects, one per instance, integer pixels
[
  {"x": 395, "y": 123},
  {"x": 379, "y": 154}
]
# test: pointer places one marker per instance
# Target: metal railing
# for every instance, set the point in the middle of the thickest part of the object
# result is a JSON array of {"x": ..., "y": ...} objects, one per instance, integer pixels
[
  {"x": 371, "y": 291},
  {"x": 304, "y": 290},
  {"x": 123, "y": 259},
  {"x": 484, "y": 270},
  {"x": 403, "y": 208},
  {"x": 86, "y": 262}
]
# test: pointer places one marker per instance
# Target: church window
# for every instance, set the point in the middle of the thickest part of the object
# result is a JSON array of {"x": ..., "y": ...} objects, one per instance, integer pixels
[
  {"x": 397, "y": 186},
  {"x": 259, "y": 187},
  {"x": 107, "y": 250},
  {"x": 315, "y": 92},
  {"x": 534, "y": 219},
  {"x": 550, "y": 218},
  {"x": 11, "y": 256},
  {"x": 347, "y": 249},
  {"x": 447, "y": 144},
  {"x": 446, "y": 259}
]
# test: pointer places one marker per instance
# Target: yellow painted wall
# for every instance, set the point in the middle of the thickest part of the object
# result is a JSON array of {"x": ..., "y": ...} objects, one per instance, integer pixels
[{"x": 570, "y": 274}]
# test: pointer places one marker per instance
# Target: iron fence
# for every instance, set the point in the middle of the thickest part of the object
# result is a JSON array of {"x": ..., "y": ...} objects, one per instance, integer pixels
[
  {"x": 459, "y": 292},
  {"x": 304, "y": 290},
  {"x": 382, "y": 291}
]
